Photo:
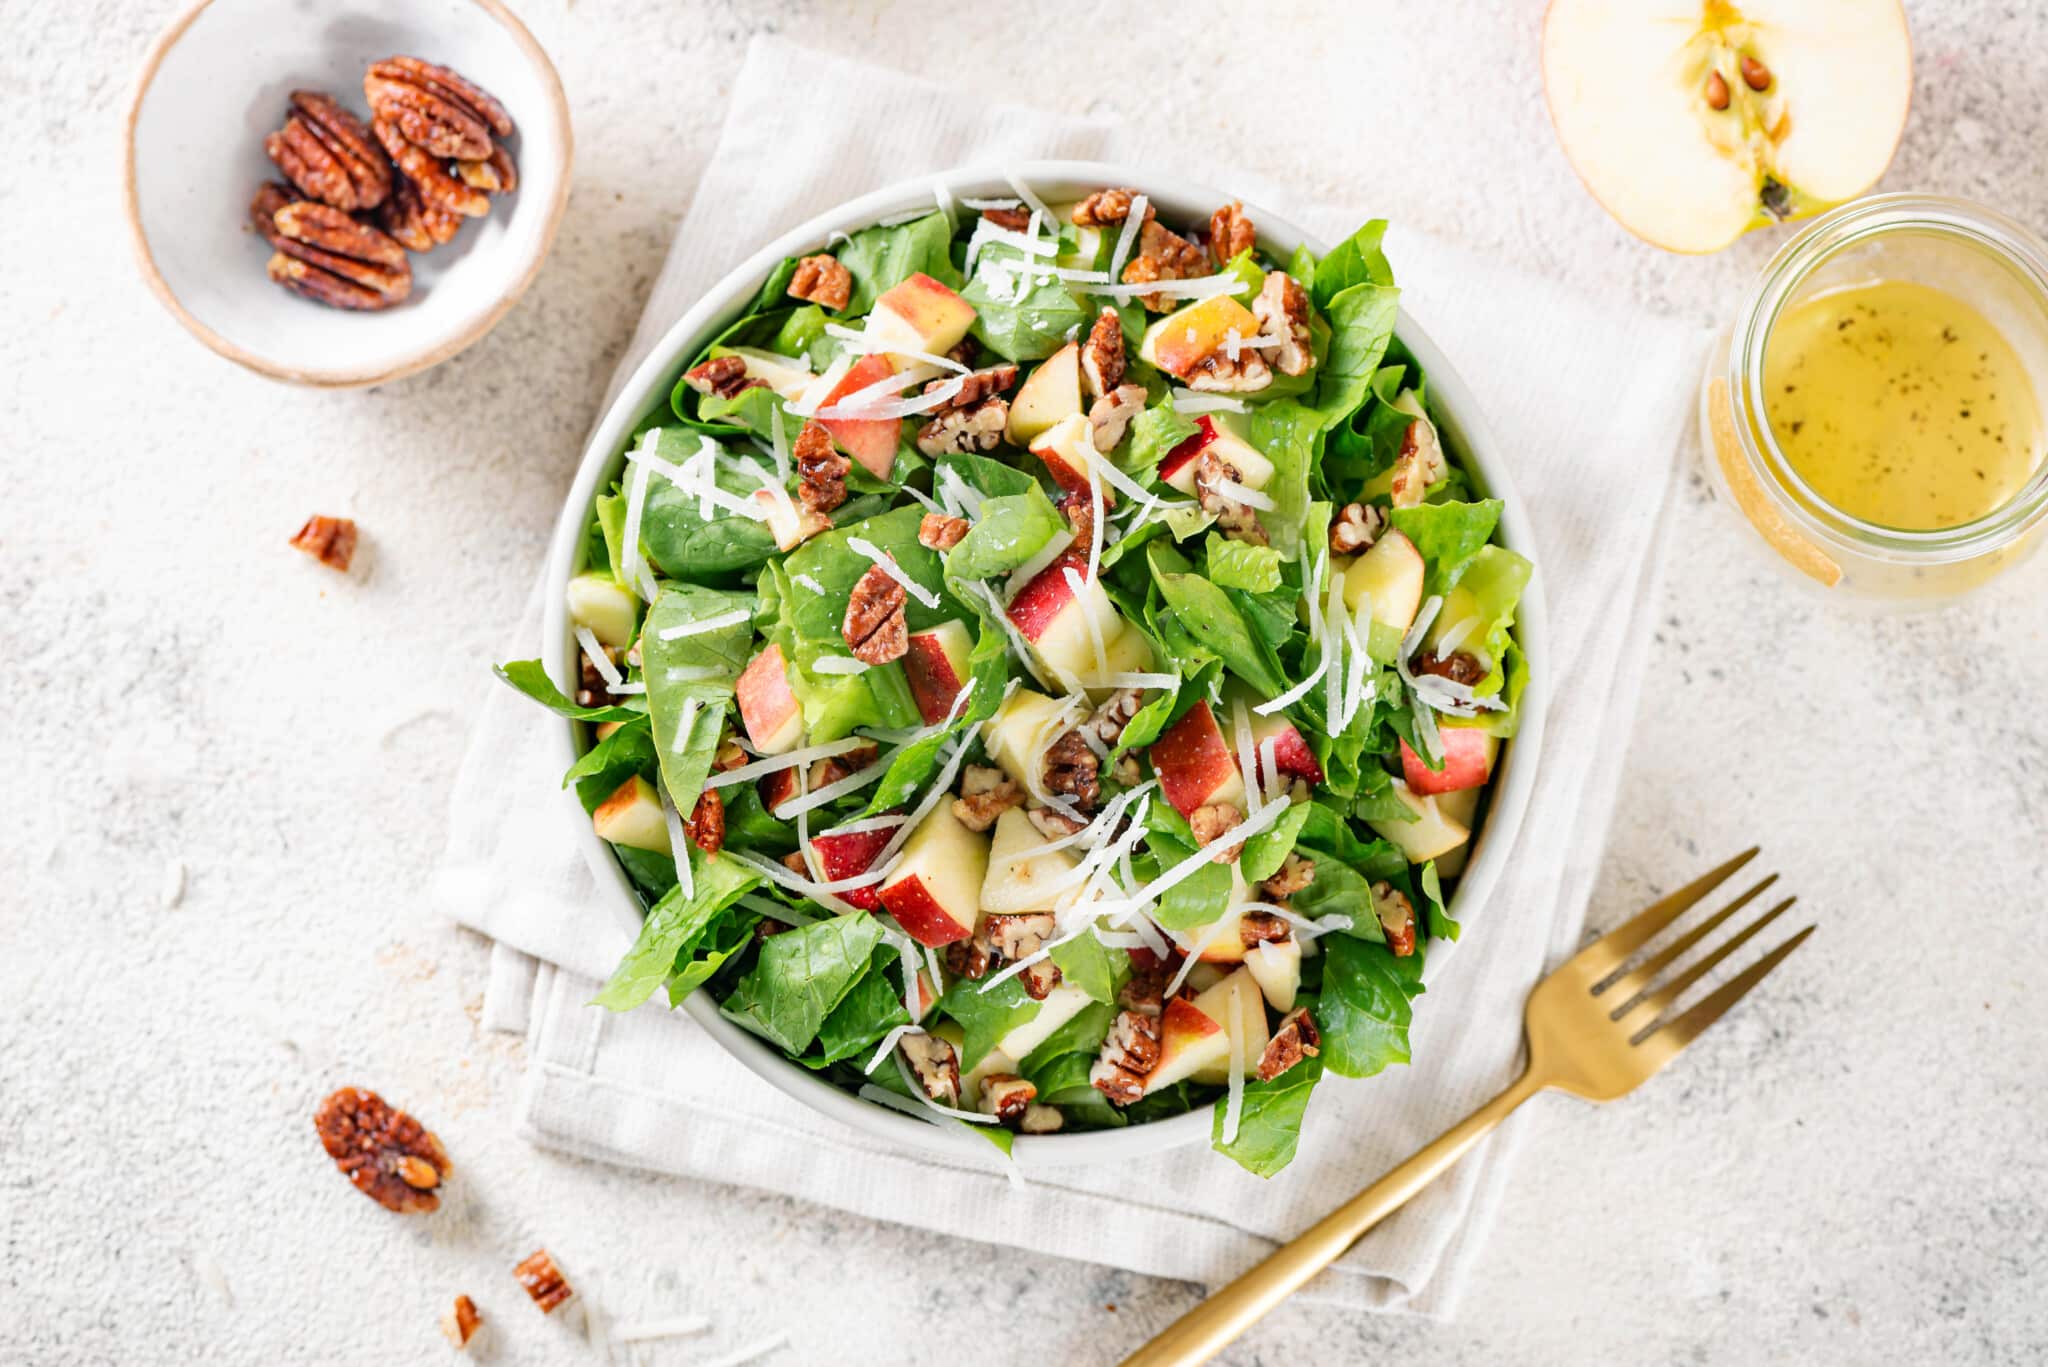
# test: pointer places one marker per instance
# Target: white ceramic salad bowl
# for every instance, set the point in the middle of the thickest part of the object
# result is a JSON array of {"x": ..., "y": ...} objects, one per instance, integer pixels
[{"x": 648, "y": 391}]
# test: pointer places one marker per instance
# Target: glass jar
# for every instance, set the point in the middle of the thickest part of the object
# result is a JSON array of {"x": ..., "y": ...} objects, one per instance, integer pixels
[{"x": 1988, "y": 261}]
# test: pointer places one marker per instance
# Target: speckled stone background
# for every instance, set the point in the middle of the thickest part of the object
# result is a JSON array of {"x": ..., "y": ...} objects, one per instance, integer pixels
[{"x": 1852, "y": 1171}]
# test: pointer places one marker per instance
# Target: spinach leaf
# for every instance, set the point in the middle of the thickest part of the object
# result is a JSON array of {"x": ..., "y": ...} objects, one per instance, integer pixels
[
  {"x": 678, "y": 538},
  {"x": 869, "y": 1010},
  {"x": 1364, "y": 1012},
  {"x": 881, "y": 258},
  {"x": 531, "y": 678},
  {"x": 1290, "y": 436},
  {"x": 1026, "y": 329},
  {"x": 1081, "y": 1036},
  {"x": 1265, "y": 852},
  {"x": 1195, "y": 901},
  {"x": 1441, "y": 926},
  {"x": 985, "y": 1017},
  {"x": 1357, "y": 260},
  {"x": 986, "y": 476},
  {"x": 1361, "y": 324},
  {"x": 1241, "y": 565},
  {"x": 1448, "y": 535},
  {"x": 1092, "y": 966},
  {"x": 1009, "y": 531},
  {"x": 1208, "y": 616},
  {"x": 1346, "y": 869},
  {"x": 671, "y": 927},
  {"x": 801, "y": 975},
  {"x": 1269, "y": 1124},
  {"x": 630, "y": 748}
]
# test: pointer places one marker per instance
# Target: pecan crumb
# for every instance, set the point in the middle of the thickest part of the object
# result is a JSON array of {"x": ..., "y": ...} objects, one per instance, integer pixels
[
  {"x": 1294, "y": 874},
  {"x": 459, "y": 1322},
  {"x": 960, "y": 431},
  {"x": 874, "y": 626},
  {"x": 1397, "y": 918},
  {"x": 823, "y": 281},
  {"x": 1073, "y": 770},
  {"x": 705, "y": 825},
  {"x": 1016, "y": 220},
  {"x": 1295, "y": 1039},
  {"x": 1133, "y": 1042},
  {"x": 330, "y": 540},
  {"x": 723, "y": 377},
  {"x": 1005, "y": 1096},
  {"x": 975, "y": 385},
  {"x": 1260, "y": 927},
  {"x": 1282, "y": 311},
  {"x": 1164, "y": 255},
  {"x": 821, "y": 471},
  {"x": 1459, "y": 667},
  {"x": 939, "y": 532},
  {"x": 985, "y": 794},
  {"x": 1356, "y": 528},
  {"x": 1419, "y": 464},
  {"x": 390, "y": 1157},
  {"x": 1108, "y": 721},
  {"x": 544, "y": 1281},
  {"x": 1230, "y": 232},
  {"x": 1109, "y": 417},
  {"x": 1234, "y": 518},
  {"x": 936, "y": 1065},
  {"x": 1052, "y": 823},
  {"x": 1122, "y": 1086},
  {"x": 1210, "y": 822}
]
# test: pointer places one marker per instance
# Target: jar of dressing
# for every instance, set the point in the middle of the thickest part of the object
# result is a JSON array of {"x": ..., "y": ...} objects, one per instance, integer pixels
[{"x": 1876, "y": 408}]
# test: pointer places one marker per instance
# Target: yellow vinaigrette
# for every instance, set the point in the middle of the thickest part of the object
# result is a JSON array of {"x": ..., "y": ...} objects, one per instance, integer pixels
[{"x": 1901, "y": 405}]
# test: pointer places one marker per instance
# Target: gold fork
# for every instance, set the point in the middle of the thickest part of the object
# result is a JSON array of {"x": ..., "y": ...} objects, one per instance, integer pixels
[{"x": 1593, "y": 1030}]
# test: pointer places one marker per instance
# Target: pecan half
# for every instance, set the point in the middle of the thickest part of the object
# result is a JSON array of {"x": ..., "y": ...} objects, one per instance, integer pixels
[
  {"x": 442, "y": 126},
  {"x": 975, "y": 385},
  {"x": 940, "y": 532},
  {"x": 346, "y": 142},
  {"x": 1107, "y": 206},
  {"x": 821, "y": 471},
  {"x": 1005, "y": 1095},
  {"x": 1396, "y": 917},
  {"x": 1145, "y": 992},
  {"x": 1133, "y": 1042},
  {"x": 1419, "y": 464},
  {"x": 1102, "y": 355},
  {"x": 985, "y": 794},
  {"x": 1015, "y": 220},
  {"x": 453, "y": 95},
  {"x": 1234, "y": 518},
  {"x": 1109, "y": 417},
  {"x": 1209, "y": 822},
  {"x": 1261, "y": 927},
  {"x": 1221, "y": 373},
  {"x": 1282, "y": 311},
  {"x": 874, "y": 627},
  {"x": 1163, "y": 255},
  {"x": 1357, "y": 527},
  {"x": 1230, "y": 232},
  {"x": 329, "y": 540},
  {"x": 544, "y": 1281},
  {"x": 1039, "y": 979},
  {"x": 429, "y": 174},
  {"x": 331, "y": 241},
  {"x": 1295, "y": 1039},
  {"x": 390, "y": 1157},
  {"x": 1459, "y": 667},
  {"x": 958, "y": 431},
  {"x": 823, "y": 281},
  {"x": 723, "y": 377},
  {"x": 1052, "y": 823},
  {"x": 1040, "y": 1119},
  {"x": 1294, "y": 874},
  {"x": 705, "y": 825},
  {"x": 936, "y": 1065},
  {"x": 460, "y": 1321},
  {"x": 1073, "y": 770}
]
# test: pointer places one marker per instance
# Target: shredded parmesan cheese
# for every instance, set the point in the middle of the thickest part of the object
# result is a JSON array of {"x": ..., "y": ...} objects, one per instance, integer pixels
[
  {"x": 599, "y": 661},
  {"x": 826, "y": 750},
  {"x": 1134, "y": 219},
  {"x": 807, "y": 582},
  {"x": 737, "y": 617},
  {"x": 1036, "y": 565},
  {"x": 1298, "y": 692},
  {"x": 837, "y": 664},
  {"x": 1079, "y": 587},
  {"x": 685, "y": 723},
  {"x": 1250, "y": 497},
  {"x": 832, "y": 791}
]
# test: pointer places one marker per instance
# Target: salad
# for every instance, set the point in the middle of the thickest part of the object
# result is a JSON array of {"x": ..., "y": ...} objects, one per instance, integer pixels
[{"x": 1043, "y": 669}]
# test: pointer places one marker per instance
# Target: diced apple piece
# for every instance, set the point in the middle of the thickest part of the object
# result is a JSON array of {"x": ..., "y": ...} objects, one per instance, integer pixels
[
  {"x": 1468, "y": 761},
  {"x": 1068, "y": 448},
  {"x": 1224, "y": 945},
  {"x": 774, "y": 721},
  {"x": 1013, "y": 734},
  {"x": 1128, "y": 652},
  {"x": 1276, "y": 967},
  {"x": 1177, "y": 467},
  {"x": 936, "y": 664},
  {"x": 849, "y": 856},
  {"x": 1189, "y": 1038},
  {"x": 935, "y": 892},
  {"x": 1182, "y": 340},
  {"x": 1392, "y": 572},
  {"x": 1431, "y": 834},
  {"x": 597, "y": 601},
  {"x": 1195, "y": 764},
  {"x": 1020, "y": 869},
  {"x": 921, "y": 314},
  {"x": 871, "y": 441},
  {"x": 604, "y": 729},
  {"x": 1238, "y": 1004},
  {"x": 632, "y": 816},
  {"x": 1061, "y": 625},
  {"x": 1293, "y": 756},
  {"x": 787, "y": 376},
  {"x": 1048, "y": 394},
  {"x": 1203, "y": 976},
  {"x": 788, "y": 523},
  {"x": 1061, "y": 1005}
]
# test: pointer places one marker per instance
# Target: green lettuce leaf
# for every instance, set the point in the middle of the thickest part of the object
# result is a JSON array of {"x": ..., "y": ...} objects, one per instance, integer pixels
[
  {"x": 1361, "y": 324},
  {"x": 1289, "y": 435},
  {"x": 1357, "y": 260},
  {"x": 1209, "y": 617},
  {"x": 672, "y": 926},
  {"x": 881, "y": 258},
  {"x": 685, "y": 765},
  {"x": 1092, "y": 966},
  {"x": 1241, "y": 565},
  {"x": 531, "y": 678},
  {"x": 1448, "y": 535},
  {"x": 1364, "y": 1010},
  {"x": 1081, "y": 1035},
  {"x": 800, "y": 976},
  {"x": 1029, "y": 329},
  {"x": 1269, "y": 1122},
  {"x": 985, "y": 1017},
  {"x": 1008, "y": 531}
]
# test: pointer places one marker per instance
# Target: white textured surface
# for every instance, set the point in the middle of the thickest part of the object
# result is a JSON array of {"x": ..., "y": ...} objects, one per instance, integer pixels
[{"x": 1852, "y": 1171}]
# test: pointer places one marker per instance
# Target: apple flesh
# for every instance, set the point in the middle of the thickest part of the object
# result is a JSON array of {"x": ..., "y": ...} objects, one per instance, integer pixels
[
  {"x": 1068, "y": 449},
  {"x": 1013, "y": 735},
  {"x": 1182, "y": 340},
  {"x": 1189, "y": 1038},
  {"x": 1049, "y": 394},
  {"x": 1195, "y": 765},
  {"x": 1062, "y": 625},
  {"x": 786, "y": 376},
  {"x": 1276, "y": 967},
  {"x": 920, "y": 314},
  {"x": 1431, "y": 834},
  {"x": 597, "y": 601},
  {"x": 1239, "y": 1005},
  {"x": 789, "y": 524},
  {"x": 1021, "y": 869},
  {"x": 1061, "y": 1005},
  {"x": 1177, "y": 467},
  {"x": 1391, "y": 574},
  {"x": 1468, "y": 762},
  {"x": 768, "y": 709},
  {"x": 632, "y": 816},
  {"x": 1693, "y": 122},
  {"x": 871, "y": 441},
  {"x": 935, "y": 890},
  {"x": 849, "y": 856},
  {"x": 936, "y": 664},
  {"x": 1293, "y": 756}
]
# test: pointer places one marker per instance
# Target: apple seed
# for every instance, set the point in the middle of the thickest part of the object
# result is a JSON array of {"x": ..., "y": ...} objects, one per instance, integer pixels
[
  {"x": 1755, "y": 74},
  {"x": 1717, "y": 92}
]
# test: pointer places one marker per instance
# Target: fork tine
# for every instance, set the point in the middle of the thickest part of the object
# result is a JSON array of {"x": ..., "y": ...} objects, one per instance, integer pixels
[
  {"x": 1674, "y": 1035},
  {"x": 1611, "y": 950},
  {"x": 1660, "y": 1001},
  {"x": 1628, "y": 986}
]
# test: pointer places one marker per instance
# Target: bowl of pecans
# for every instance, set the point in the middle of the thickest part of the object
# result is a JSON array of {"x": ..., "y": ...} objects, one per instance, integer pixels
[{"x": 343, "y": 195}]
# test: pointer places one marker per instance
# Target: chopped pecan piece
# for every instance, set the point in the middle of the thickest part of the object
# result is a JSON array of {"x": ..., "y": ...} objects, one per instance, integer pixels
[
  {"x": 768, "y": 926},
  {"x": 330, "y": 540},
  {"x": 460, "y": 1321},
  {"x": 1294, "y": 874},
  {"x": 1230, "y": 232},
  {"x": 1419, "y": 464},
  {"x": 970, "y": 958},
  {"x": 544, "y": 1281},
  {"x": 959, "y": 431},
  {"x": 1079, "y": 510},
  {"x": 1102, "y": 355},
  {"x": 705, "y": 826},
  {"x": 1108, "y": 721},
  {"x": 965, "y": 352},
  {"x": 429, "y": 174},
  {"x": 1005, "y": 1095},
  {"x": 832, "y": 768},
  {"x": 1165, "y": 255},
  {"x": 1041, "y": 1119},
  {"x": 1459, "y": 667},
  {"x": 938, "y": 532},
  {"x": 1039, "y": 979},
  {"x": 975, "y": 385},
  {"x": 823, "y": 281},
  {"x": 794, "y": 861},
  {"x": 723, "y": 377},
  {"x": 874, "y": 627},
  {"x": 390, "y": 1157},
  {"x": 1397, "y": 918},
  {"x": 591, "y": 689},
  {"x": 1233, "y": 517},
  {"x": 1221, "y": 373},
  {"x": 1073, "y": 770},
  {"x": 1356, "y": 528},
  {"x": 1260, "y": 927},
  {"x": 1109, "y": 417},
  {"x": 1107, "y": 206},
  {"x": 1145, "y": 993},
  {"x": 1014, "y": 220},
  {"x": 1295, "y": 1038},
  {"x": 821, "y": 471},
  {"x": 936, "y": 1065},
  {"x": 985, "y": 794},
  {"x": 1052, "y": 823},
  {"x": 1122, "y": 1086},
  {"x": 1210, "y": 822},
  {"x": 495, "y": 174},
  {"x": 1282, "y": 311},
  {"x": 1133, "y": 1042},
  {"x": 1019, "y": 935}
]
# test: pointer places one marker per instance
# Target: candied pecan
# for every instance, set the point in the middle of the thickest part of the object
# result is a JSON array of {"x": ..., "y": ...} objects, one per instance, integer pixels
[
  {"x": 326, "y": 152},
  {"x": 330, "y": 540},
  {"x": 985, "y": 794},
  {"x": 330, "y": 230},
  {"x": 874, "y": 627},
  {"x": 429, "y": 175},
  {"x": 1356, "y": 528},
  {"x": 591, "y": 690},
  {"x": 412, "y": 223},
  {"x": 705, "y": 825},
  {"x": 1282, "y": 311},
  {"x": 1102, "y": 355},
  {"x": 1039, "y": 979},
  {"x": 437, "y": 108},
  {"x": 1109, "y": 417},
  {"x": 723, "y": 377},
  {"x": 794, "y": 861},
  {"x": 821, "y": 471},
  {"x": 1041, "y": 1119},
  {"x": 1221, "y": 373},
  {"x": 1294, "y": 874},
  {"x": 495, "y": 174},
  {"x": 1419, "y": 464},
  {"x": 822, "y": 280},
  {"x": 1122, "y": 1086},
  {"x": 1107, "y": 206},
  {"x": 1163, "y": 255},
  {"x": 340, "y": 260},
  {"x": 958, "y": 431},
  {"x": 768, "y": 926},
  {"x": 390, "y": 1157},
  {"x": 936, "y": 1065},
  {"x": 543, "y": 1281},
  {"x": 1230, "y": 232},
  {"x": 1145, "y": 992},
  {"x": 969, "y": 958},
  {"x": 1295, "y": 1038},
  {"x": 1052, "y": 823},
  {"x": 965, "y": 352},
  {"x": 844, "y": 765},
  {"x": 1209, "y": 823},
  {"x": 728, "y": 756},
  {"x": 1261, "y": 927},
  {"x": 1460, "y": 667},
  {"x": 1019, "y": 935},
  {"x": 1073, "y": 770},
  {"x": 975, "y": 385},
  {"x": 460, "y": 1321},
  {"x": 1397, "y": 918},
  {"x": 939, "y": 532},
  {"x": 1015, "y": 220},
  {"x": 1125, "y": 770},
  {"x": 1133, "y": 1042},
  {"x": 1005, "y": 1095},
  {"x": 323, "y": 286},
  {"x": 1235, "y": 519},
  {"x": 1108, "y": 721}
]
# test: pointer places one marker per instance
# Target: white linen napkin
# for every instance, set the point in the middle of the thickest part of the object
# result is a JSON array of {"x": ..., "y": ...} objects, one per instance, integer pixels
[{"x": 1591, "y": 428}]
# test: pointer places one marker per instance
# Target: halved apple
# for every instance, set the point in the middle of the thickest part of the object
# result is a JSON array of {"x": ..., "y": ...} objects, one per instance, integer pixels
[
  {"x": 920, "y": 314},
  {"x": 1014, "y": 733},
  {"x": 936, "y": 665},
  {"x": 1021, "y": 870},
  {"x": 1049, "y": 393},
  {"x": 1195, "y": 765},
  {"x": 632, "y": 816},
  {"x": 1431, "y": 834},
  {"x": 1241, "y": 1007},
  {"x": 935, "y": 891},
  {"x": 1392, "y": 573},
  {"x": 1692, "y": 121},
  {"x": 597, "y": 601},
  {"x": 768, "y": 709},
  {"x": 1063, "y": 625},
  {"x": 1182, "y": 340},
  {"x": 871, "y": 441},
  {"x": 1177, "y": 467}
]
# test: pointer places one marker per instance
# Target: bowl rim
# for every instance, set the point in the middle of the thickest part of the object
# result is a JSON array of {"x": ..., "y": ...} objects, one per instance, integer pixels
[
  {"x": 138, "y": 236},
  {"x": 653, "y": 378}
]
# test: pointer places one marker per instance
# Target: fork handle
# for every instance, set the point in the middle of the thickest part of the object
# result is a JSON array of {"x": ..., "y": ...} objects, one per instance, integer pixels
[{"x": 1204, "y": 1331}]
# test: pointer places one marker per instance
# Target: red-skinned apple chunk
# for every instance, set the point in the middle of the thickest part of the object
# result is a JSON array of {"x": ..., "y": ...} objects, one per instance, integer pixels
[
  {"x": 1195, "y": 764},
  {"x": 1177, "y": 467},
  {"x": 934, "y": 893},
  {"x": 920, "y": 314},
  {"x": 769, "y": 710},
  {"x": 849, "y": 856},
  {"x": 936, "y": 664},
  {"x": 632, "y": 816},
  {"x": 1468, "y": 761},
  {"x": 1061, "y": 625},
  {"x": 870, "y": 441}
]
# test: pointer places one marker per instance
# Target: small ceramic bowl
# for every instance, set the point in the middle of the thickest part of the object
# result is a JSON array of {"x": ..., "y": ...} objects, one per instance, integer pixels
[{"x": 219, "y": 79}]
